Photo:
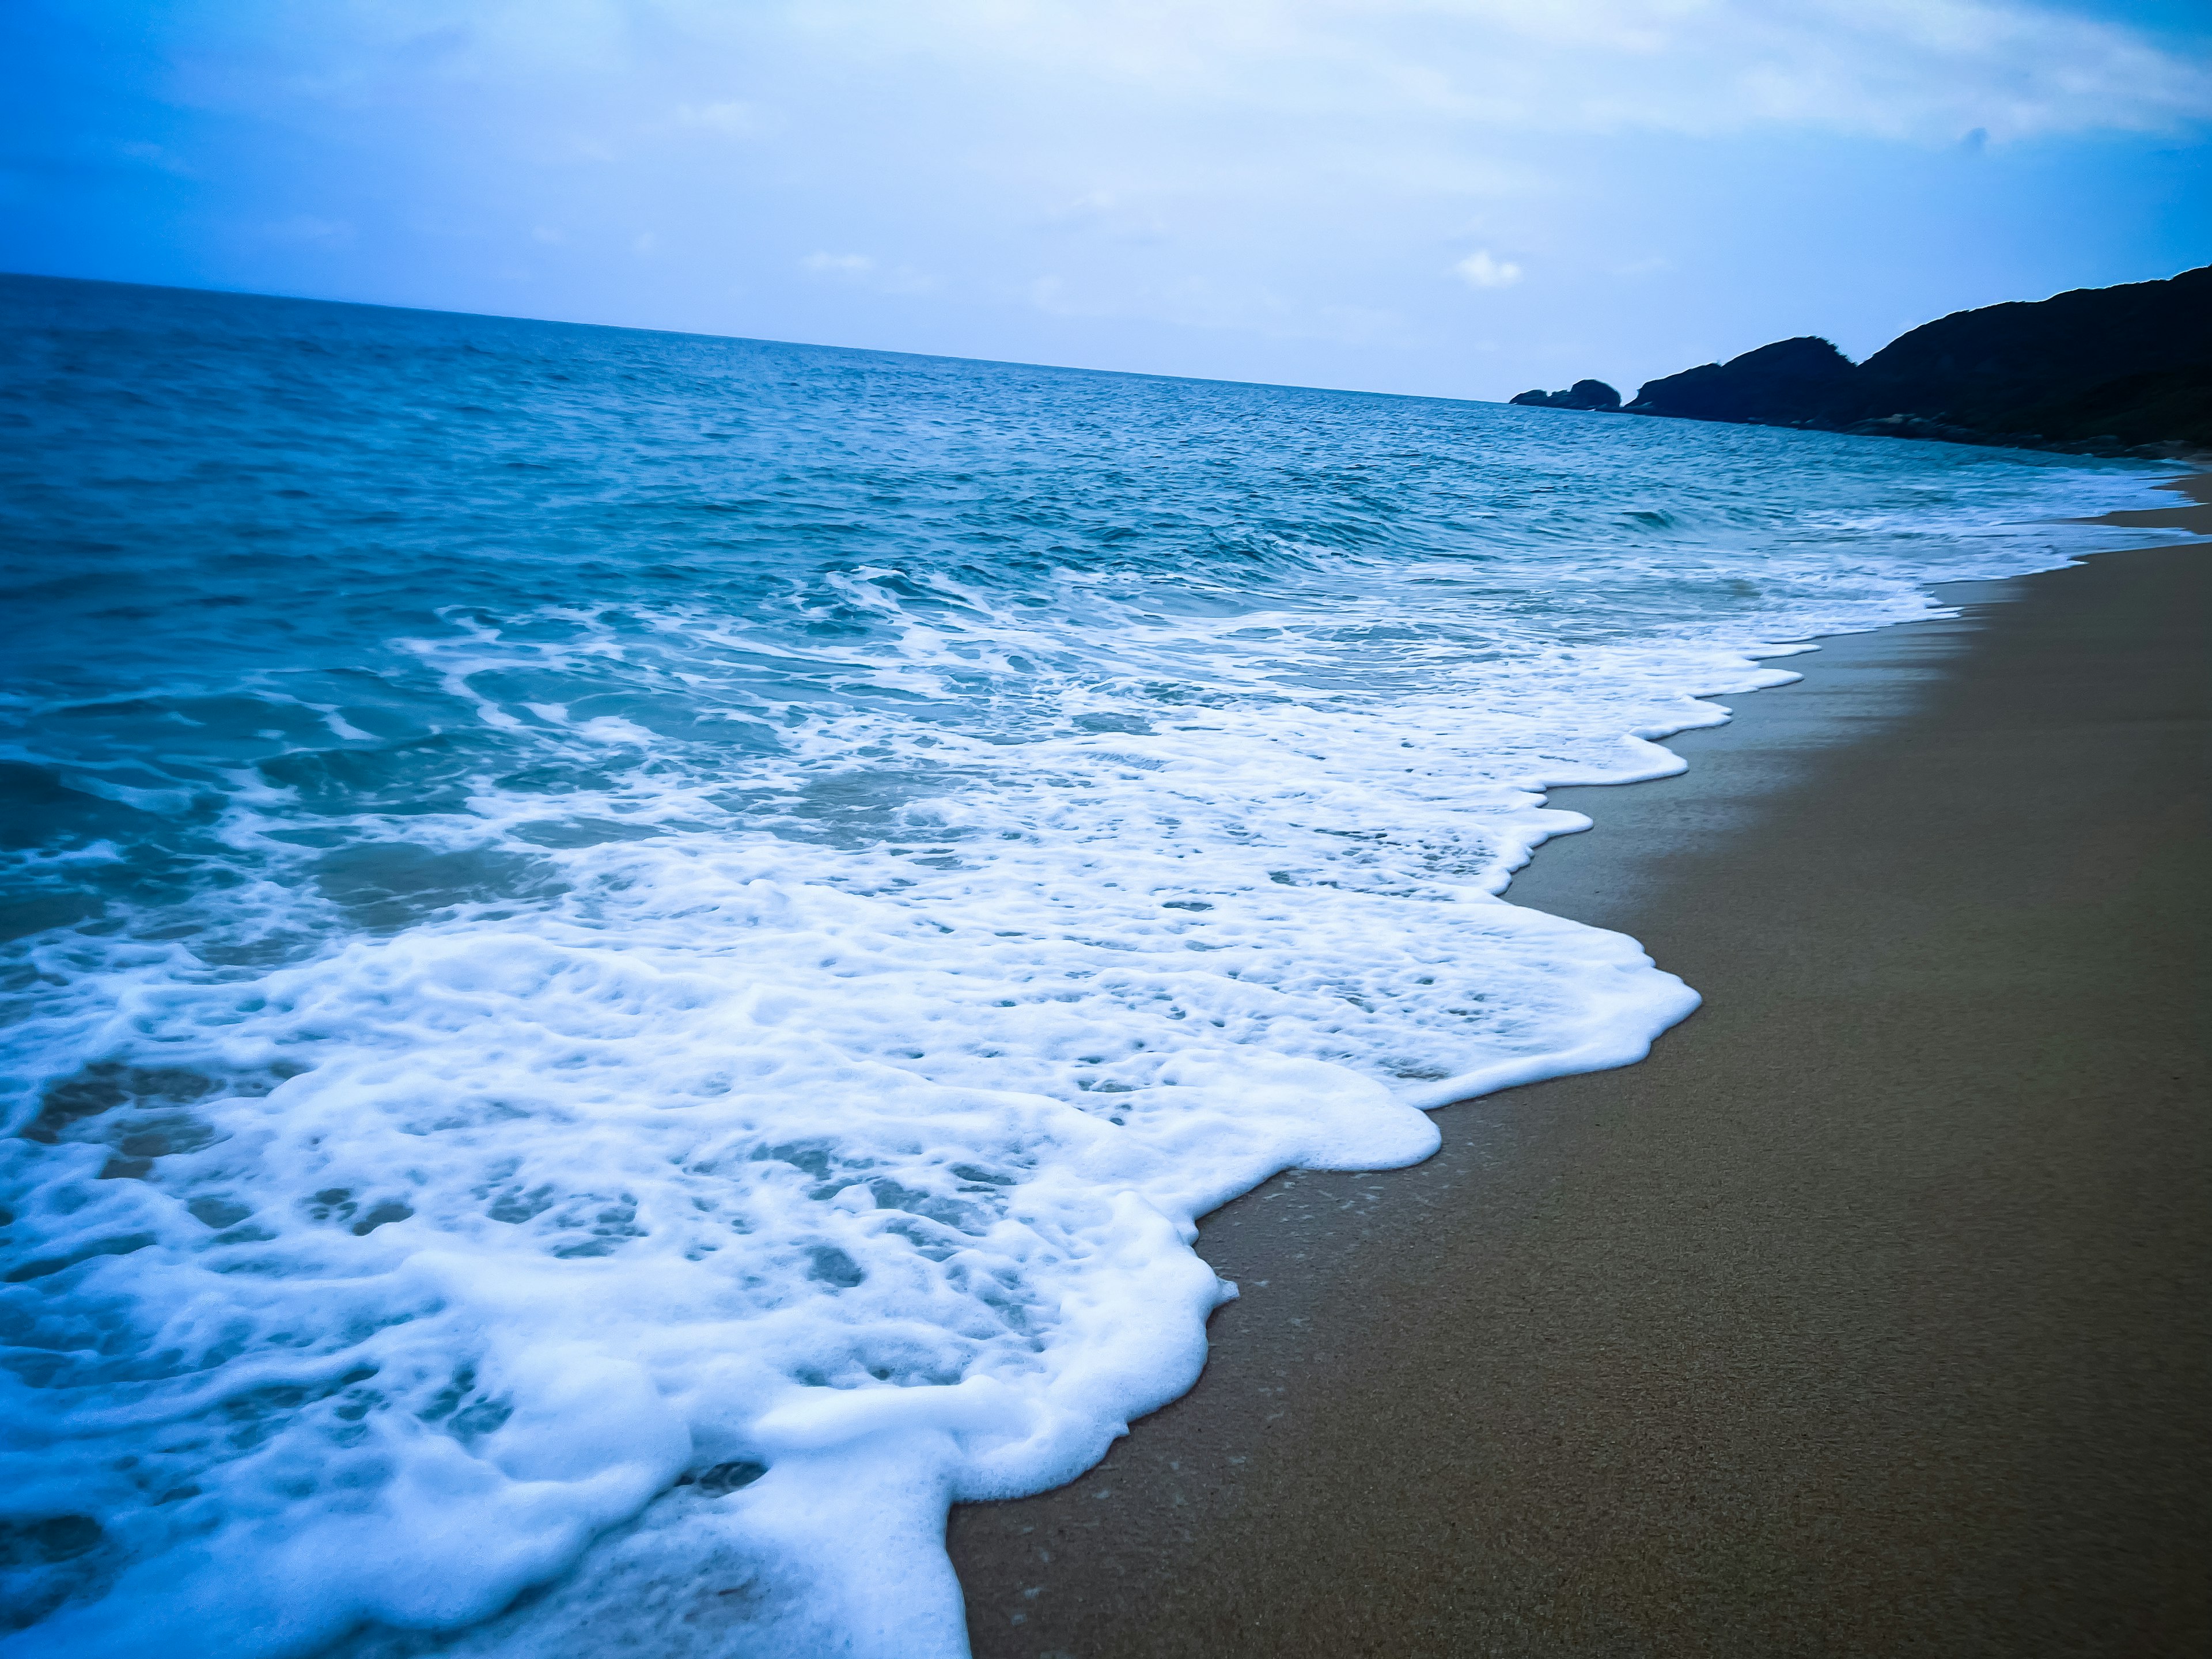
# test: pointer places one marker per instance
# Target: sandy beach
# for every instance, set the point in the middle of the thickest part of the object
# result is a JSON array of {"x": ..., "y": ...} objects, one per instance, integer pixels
[{"x": 1871, "y": 1314}]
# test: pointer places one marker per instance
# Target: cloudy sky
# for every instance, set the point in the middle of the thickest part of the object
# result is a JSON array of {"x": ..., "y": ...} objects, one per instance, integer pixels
[{"x": 1464, "y": 197}]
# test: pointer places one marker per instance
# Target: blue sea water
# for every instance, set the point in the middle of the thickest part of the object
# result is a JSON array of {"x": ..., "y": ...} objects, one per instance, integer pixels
[{"x": 631, "y": 955}]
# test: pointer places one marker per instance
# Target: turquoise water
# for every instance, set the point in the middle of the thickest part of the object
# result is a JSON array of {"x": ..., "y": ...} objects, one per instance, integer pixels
[{"x": 657, "y": 939}]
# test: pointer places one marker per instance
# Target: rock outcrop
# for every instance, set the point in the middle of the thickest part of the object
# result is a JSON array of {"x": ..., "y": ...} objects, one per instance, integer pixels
[
  {"x": 2024, "y": 368},
  {"x": 1582, "y": 394},
  {"x": 1781, "y": 382},
  {"x": 2109, "y": 371}
]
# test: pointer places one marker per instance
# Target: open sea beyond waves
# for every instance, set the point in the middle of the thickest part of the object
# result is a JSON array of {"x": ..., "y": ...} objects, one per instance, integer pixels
[{"x": 631, "y": 955}]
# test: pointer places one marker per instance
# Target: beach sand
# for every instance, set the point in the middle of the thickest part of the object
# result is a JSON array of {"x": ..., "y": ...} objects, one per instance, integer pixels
[{"x": 1871, "y": 1314}]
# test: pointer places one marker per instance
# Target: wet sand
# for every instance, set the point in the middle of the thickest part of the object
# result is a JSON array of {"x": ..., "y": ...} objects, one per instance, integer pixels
[{"x": 1871, "y": 1314}]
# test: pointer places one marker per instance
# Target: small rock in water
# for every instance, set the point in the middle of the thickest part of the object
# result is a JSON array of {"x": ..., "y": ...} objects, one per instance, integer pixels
[{"x": 1582, "y": 394}]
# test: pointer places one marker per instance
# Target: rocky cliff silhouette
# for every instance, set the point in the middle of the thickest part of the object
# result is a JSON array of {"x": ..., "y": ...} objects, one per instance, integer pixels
[{"x": 2110, "y": 370}]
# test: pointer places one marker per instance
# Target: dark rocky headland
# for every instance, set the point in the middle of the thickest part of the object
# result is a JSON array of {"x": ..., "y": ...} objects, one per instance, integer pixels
[
  {"x": 1582, "y": 394},
  {"x": 2109, "y": 371}
]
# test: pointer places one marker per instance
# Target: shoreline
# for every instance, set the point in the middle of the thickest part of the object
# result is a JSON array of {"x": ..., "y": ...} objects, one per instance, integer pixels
[{"x": 1868, "y": 1314}]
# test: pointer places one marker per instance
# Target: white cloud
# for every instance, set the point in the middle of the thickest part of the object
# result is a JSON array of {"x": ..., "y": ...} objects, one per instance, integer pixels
[
  {"x": 730, "y": 117},
  {"x": 837, "y": 264},
  {"x": 1928, "y": 70},
  {"x": 1483, "y": 270},
  {"x": 314, "y": 232},
  {"x": 864, "y": 272},
  {"x": 1188, "y": 185}
]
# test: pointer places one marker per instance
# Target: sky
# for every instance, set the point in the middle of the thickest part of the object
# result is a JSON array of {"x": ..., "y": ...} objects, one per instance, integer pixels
[{"x": 1455, "y": 197}]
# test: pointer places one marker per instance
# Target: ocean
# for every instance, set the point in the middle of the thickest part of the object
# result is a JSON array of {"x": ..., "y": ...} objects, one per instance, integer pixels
[{"x": 631, "y": 956}]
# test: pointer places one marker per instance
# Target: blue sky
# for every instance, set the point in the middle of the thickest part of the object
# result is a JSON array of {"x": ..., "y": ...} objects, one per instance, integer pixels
[{"x": 1464, "y": 197}]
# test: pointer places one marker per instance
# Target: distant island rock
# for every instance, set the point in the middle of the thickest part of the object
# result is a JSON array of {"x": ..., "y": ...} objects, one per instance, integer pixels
[
  {"x": 1582, "y": 394},
  {"x": 2113, "y": 371}
]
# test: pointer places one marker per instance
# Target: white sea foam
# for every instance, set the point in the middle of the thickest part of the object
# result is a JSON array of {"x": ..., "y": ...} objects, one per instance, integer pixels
[{"x": 766, "y": 1151}]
